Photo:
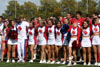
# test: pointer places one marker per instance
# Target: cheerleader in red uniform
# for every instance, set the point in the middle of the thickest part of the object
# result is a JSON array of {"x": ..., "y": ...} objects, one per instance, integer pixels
[
  {"x": 42, "y": 40},
  {"x": 51, "y": 41},
  {"x": 86, "y": 43},
  {"x": 75, "y": 35},
  {"x": 31, "y": 39},
  {"x": 58, "y": 41},
  {"x": 12, "y": 41},
  {"x": 96, "y": 38},
  {"x": 4, "y": 38}
]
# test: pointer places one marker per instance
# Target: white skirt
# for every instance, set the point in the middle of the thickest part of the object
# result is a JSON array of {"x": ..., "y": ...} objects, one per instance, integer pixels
[
  {"x": 12, "y": 42},
  {"x": 51, "y": 41},
  {"x": 31, "y": 42},
  {"x": 58, "y": 42},
  {"x": 71, "y": 41},
  {"x": 96, "y": 40},
  {"x": 65, "y": 41},
  {"x": 41, "y": 41},
  {"x": 86, "y": 42}
]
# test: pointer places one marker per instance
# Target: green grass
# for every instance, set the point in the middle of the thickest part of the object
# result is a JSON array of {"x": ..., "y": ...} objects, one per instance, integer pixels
[{"x": 35, "y": 64}]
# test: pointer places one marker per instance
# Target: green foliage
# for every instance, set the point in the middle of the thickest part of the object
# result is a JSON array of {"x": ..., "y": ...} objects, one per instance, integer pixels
[{"x": 49, "y": 8}]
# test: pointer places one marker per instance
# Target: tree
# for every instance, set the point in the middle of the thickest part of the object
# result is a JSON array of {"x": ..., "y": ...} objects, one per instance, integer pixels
[
  {"x": 69, "y": 6},
  {"x": 91, "y": 6},
  {"x": 28, "y": 10},
  {"x": 49, "y": 8},
  {"x": 10, "y": 12}
]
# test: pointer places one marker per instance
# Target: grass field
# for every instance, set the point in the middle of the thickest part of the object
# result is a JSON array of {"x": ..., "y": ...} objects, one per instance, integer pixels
[{"x": 35, "y": 64}]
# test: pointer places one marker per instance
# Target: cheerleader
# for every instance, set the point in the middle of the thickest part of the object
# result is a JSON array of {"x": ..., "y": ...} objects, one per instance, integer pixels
[
  {"x": 65, "y": 34},
  {"x": 12, "y": 41},
  {"x": 32, "y": 39},
  {"x": 51, "y": 41},
  {"x": 96, "y": 38},
  {"x": 86, "y": 43},
  {"x": 42, "y": 40},
  {"x": 4, "y": 38},
  {"x": 75, "y": 35},
  {"x": 58, "y": 41}
]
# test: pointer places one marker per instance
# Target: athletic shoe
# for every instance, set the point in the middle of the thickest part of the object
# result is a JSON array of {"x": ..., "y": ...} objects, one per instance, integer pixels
[
  {"x": 19, "y": 60},
  {"x": 48, "y": 62},
  {"x": 58, "y": 62},
  {"x": 89, "y": 64},
  {"x": 31, "y": 61},
  {"x": 64, "y": 62},
  {"x": 75, "y": 63},
  {"x": 7, "y": 61},
  {"x": 13, "y": 61},
  {"x": 23, "y": 61},
  {"x": 84, "y": 64},
  {"x": 96, "y": 64},
  {"x": 41, "y": 61},
  {"x": 69, "y": 64},
  {"x": 44, "y": 61},
  {"x": 53, "y": 62}
]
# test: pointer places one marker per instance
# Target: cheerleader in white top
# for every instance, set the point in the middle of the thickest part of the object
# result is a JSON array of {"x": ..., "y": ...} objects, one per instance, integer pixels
[
  {"x": 42, "y": 40},
  {"x": 86, "y": 43},
  {"x": 31, "y": 39},
  {"x": 4, "y": 38},
  {"x": 51, "y": 41},
  {"x": 75, "y": 35},
  {"x": 58, "y": 41},
  {"x": 96, "y": 38}
]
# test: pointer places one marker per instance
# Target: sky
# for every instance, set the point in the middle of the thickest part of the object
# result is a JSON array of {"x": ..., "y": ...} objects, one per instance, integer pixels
[{"x": 4, "y": 3}]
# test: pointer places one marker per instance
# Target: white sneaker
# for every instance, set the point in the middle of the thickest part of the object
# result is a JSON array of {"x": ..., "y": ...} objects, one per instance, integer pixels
[
  {"x": 52, "y": 62},
  {"x": 7, "y": 61},
  {"x": 64, "y": 62},
  {"x": 84, "y": 64},
  {"x": 69, "y": 64},
  {"x": 44, "y": 61},
  {"x": 75, "y": 63},
  {"x": 58, "y": 62},
  {"x": 31, "y": 61},
  {"x": 19, "y": 60},
  {"x": 96, "y": 64},
  {"x": 13, "y": 61},
  {"x": 48, "y": 62},
  {"x": 23, "y": 61},
  {"x": 89, "y": 64},
  {"x": 41, "y": 61}
]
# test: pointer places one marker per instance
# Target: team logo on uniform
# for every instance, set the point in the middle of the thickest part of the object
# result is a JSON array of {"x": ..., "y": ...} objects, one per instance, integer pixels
[
  {"x": 40, "y": 31},
  {"x": 19, "y": 28},
  {"x": 50, "y": 31},
  {"x": 95, "y": 29},
  {"x": 58, "y": 33},
  {"x": 85, "y": 32},
  {"x": 30, "y": 33},
  {"x": 73, "y": 32}
]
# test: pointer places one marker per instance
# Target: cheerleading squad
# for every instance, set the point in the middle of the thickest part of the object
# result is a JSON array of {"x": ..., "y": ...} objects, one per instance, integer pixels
[{"x": 66, "y": 36}]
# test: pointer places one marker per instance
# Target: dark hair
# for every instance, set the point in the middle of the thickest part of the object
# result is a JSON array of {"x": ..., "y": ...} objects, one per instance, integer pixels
[
  {"x": 87, "y": 23},
  {"x": 79, "y": 12},
  {"x": 51, "y": 21},
  {"x": 1, "y": 17},
  {"x": 93, "y": 21},
  {"x": 96, "y": 13},
  {"x": 88, "y": 15},
  {"x": 32, "y": 23},
  {"x": 58, "y": 21}
]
